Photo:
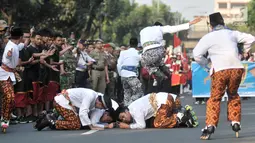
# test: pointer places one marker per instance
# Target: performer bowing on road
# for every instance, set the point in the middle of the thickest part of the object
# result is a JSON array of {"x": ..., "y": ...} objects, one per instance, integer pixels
[
  {"x": 162, "y": 110},
  {"x": 66, "y": 104}
]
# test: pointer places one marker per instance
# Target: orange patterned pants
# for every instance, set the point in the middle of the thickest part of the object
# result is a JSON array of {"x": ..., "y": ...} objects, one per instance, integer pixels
[
  {"x": 8, "y": 102},
  {"x": 71, "y": 120},
  {"x": 165, "y": 117},
  {"x": 225, "y": 80}
]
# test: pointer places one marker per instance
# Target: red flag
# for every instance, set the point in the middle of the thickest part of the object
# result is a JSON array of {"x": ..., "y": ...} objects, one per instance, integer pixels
[
  {"x": 184, "y": 53},
  {"x": 177, "y": 41}
]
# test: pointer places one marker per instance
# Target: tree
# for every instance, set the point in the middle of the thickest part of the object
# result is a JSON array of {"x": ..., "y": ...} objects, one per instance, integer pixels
[
  {"x": 251, "y": 15},
  {"x": 113, "y": 20},
  {"x": 132, "y": 18}
]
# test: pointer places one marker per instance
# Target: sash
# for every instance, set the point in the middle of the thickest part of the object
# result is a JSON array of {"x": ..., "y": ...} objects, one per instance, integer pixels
[
  {"x": 154, "y": 103},
  {"x": 129, "y": 68},
  {"x": 8, "y": 69}
]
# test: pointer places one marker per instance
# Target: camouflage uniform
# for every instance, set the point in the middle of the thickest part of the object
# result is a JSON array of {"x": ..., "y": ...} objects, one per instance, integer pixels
[
  {"x": 67, "y": 81},
  {"x": 110, "y": 87}
]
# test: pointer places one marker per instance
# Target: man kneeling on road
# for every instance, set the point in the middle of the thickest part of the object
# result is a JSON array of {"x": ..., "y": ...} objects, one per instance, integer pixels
[
  {"x": 104, "y": 119},
  {"x": 66, "y": 104},
  {"x": 165, "y": 108}
]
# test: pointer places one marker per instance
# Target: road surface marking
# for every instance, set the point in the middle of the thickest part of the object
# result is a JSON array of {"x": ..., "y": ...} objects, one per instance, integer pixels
[{"x": 89, "y": 132}]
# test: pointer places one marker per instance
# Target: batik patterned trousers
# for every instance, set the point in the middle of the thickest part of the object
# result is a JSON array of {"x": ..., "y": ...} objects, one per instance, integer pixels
[
  {"x": 8, "y": 102},
  {"x": 165, "y": 116},
  {"x": 152, "y": 59},
  {"x": 132, "y": 89},
  {"x": 225, "y": 80},
  {"x": 71, "y": 120}
]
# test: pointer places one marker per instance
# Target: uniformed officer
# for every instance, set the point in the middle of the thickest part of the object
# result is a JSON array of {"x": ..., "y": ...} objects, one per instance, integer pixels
[{"x": 99, "y": 73}]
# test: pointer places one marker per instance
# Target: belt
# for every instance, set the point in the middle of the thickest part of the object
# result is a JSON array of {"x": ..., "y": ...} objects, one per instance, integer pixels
[
  {"x": 97, "y": 69},
  {"x": 129, "y": 68},
  {"x": 150, "y": 43},
  {"x": 65, "y": 94}
]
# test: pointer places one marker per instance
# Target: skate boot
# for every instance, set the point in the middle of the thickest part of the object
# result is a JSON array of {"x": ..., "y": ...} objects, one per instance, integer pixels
[
  {"x": 192, "y": 113},
  {"x": 207, "y": 132},
  {"x": 236, "y": 127},
  {"x": 39, "y": 119},
  {"x": 4, "y": 125},
  {"x": 186, "y": 117},
  {"x": 47, "y": 121}
]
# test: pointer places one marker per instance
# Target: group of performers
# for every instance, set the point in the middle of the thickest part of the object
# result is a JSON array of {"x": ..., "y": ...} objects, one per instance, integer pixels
[{"x": 81, "y": 108}]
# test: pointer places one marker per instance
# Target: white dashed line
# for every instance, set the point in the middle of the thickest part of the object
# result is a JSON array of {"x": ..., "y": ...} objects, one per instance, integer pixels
[{"x": 89, "y": 132}]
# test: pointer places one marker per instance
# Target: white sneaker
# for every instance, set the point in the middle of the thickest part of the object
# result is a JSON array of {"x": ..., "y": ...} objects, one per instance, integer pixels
[
  {"x": 196, "y": 103},
  {"x": 13, "y": 116},
  {"x": 155, "y": 83}
]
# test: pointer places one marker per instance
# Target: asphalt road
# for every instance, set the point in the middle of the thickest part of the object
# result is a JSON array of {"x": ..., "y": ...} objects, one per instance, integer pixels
[{"x": 24, "y": 133}]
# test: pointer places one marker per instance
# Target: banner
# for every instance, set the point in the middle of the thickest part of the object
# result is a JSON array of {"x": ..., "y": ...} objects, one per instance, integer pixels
[{"x": 201, "y": 81}]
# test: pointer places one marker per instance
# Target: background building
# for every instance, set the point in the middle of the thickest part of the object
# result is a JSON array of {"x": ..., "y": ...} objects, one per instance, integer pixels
[
  {"x": 196, "y": 32},
  {"x": 232, "y": 10}
]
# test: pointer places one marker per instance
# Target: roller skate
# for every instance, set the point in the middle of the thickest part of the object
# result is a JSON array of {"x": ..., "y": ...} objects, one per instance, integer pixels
[
  {"x": 47, "y": 121},
  {"x": 190, "y": 111},
  {"x": 186, "y": 118},
  {"x": 4, "y": 125},
  {"x": 236, "y": 127},
  {"x": 39, "y": 119},
  {"x": 207, "y": 132}
]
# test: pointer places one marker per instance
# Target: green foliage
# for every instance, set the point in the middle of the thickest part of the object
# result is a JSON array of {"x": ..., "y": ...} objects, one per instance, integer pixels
[
  {"x": 241, "y": 28},
  {"x": 119, "y": 20},
  {"x": 251, "y": 15},
  {"x": 132, "y": 18}
]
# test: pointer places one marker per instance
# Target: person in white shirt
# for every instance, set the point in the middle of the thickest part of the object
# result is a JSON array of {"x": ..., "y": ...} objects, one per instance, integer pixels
[
  {"x": 128, "y": 70},
  {"x": 104, "y": 119},
  {"x": 164, "y": 107},
  {"x": 84, "y": 61},
  {"x": 226, "y": 71},
  {"x": 66, "y": 104},
  {"x": 151, "y": 38},
  {"x": 8, "y": 74}
]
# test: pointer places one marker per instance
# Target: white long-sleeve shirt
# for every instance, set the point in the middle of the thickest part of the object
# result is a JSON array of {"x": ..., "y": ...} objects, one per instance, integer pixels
[
  {"x": 96, "y": 115},
  {"x": 155, "y": 34},
  {"x": 141, "y": 109},
  {"x": 84, "y": 58},
  {"x": 82, "y": 98},
  {"x": 128, "y": 57},
  {"x": 11, "y": 61},
  {"x": 222, "y": 48}
]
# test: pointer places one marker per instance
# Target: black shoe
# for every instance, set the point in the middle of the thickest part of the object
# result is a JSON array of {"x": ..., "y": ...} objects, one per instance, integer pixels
[
  {"x": 29, "y": 119},
  {"x": 43, "y": 124},
  {"x": 40, "y": 118},
  {"x": 236, "y": 128},
  {"x": 51, "y": 119},
  {"x": 207, "y": 132},
  {"x": 22, "y": 120}
]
